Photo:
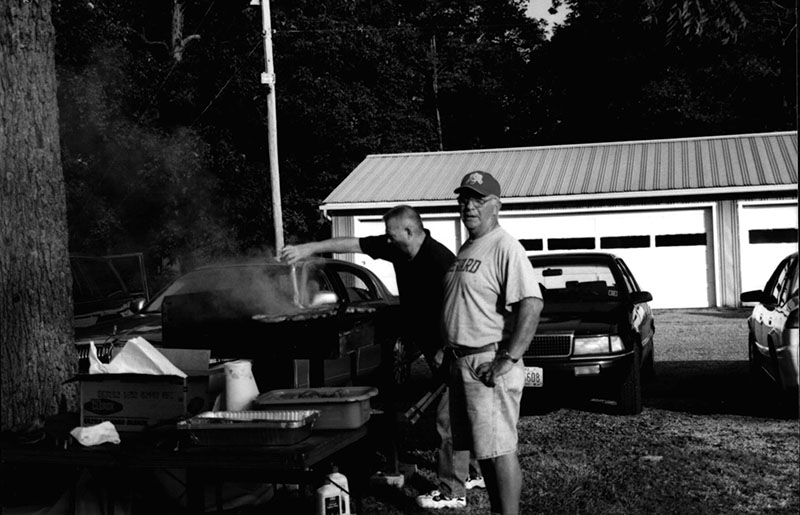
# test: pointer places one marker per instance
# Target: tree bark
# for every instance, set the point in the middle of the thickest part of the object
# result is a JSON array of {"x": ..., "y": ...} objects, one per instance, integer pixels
[{"x": 36, "y": 343}]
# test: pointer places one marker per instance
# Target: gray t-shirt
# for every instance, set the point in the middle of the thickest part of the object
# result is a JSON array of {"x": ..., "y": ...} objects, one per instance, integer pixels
[{"x": 488, "y": 276}]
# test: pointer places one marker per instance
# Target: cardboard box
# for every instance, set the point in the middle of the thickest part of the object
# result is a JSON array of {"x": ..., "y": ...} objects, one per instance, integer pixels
[{"x": 133, "y": 402}]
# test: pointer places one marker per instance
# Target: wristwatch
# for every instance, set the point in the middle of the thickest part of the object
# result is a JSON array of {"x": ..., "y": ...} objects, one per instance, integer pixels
[{"x": 504, "y": 354}]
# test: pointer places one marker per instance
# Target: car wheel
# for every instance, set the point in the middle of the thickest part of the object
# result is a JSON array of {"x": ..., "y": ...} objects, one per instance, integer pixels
[{"x": 629, "y": 395}]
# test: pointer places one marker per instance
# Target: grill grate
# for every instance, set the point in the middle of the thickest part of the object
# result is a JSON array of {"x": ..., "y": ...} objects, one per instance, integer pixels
[{"x": 551, "y": 345}]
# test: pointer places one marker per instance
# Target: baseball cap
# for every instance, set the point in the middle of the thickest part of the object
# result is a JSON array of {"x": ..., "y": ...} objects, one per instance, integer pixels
[{"x": 481, "y": 183}]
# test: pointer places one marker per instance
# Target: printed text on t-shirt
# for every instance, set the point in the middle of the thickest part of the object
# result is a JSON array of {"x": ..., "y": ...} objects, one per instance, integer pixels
[{"x": 466, "y": 265}]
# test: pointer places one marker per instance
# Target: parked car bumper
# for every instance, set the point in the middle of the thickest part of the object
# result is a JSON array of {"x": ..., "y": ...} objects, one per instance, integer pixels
[{"x": 590, "y": 368}]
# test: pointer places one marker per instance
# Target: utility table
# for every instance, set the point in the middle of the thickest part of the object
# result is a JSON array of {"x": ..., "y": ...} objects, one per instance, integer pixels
[{"x": 302, "y": 463}]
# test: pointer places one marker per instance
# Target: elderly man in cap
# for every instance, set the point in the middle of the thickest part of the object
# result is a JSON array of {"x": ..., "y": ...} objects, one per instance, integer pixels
[{"x": 491, "y": 310}]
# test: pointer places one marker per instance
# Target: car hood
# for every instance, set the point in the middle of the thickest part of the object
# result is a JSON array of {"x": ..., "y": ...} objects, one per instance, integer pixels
[
  {"x": 582, "y": 318},
  {"x": 145, "y": 325}
]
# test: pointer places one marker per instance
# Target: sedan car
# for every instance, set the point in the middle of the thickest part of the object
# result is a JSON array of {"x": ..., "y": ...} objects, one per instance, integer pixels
[
  {"x": 773, "y": 328},
  {"x": 596, "y": 328},
  {"x": 323, "y": 321}
]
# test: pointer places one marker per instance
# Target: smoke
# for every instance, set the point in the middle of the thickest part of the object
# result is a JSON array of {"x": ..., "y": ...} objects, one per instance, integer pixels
[
  {"x": 133, "y": 187},
  {"x": 241, "y": 291}
]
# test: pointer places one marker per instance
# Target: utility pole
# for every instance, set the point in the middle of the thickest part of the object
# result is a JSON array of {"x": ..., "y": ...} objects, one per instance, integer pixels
[
  {"x": 268, "y": 79},
  {"x": 435, "y": 59}
]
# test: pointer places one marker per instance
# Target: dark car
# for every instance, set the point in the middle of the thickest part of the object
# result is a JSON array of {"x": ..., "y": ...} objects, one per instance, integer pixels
[
  {"x": 286, "y": 318},
  {"x": 773, "y": 328},
  {"x": 596, "y": 328},
  {"x": 106, "y": 288}
]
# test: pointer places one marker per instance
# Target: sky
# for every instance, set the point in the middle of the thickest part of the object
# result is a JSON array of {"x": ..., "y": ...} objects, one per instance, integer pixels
[{"x": 538, "y": 9}]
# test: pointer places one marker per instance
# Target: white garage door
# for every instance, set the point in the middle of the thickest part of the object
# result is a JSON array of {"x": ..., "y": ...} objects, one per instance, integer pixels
[
  {"x": 768, "y": 233},
  {"x": 668, "y": 251}
]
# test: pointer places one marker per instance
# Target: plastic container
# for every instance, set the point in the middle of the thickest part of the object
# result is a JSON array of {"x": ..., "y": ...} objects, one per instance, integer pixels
[
  {"x": 283, "y": 427},
  {"x": 339, "y": 480},
  {"x": 339, "y": 408},
  {"x": 333, "y": 497},
  {"x": 328, "y": 500}
]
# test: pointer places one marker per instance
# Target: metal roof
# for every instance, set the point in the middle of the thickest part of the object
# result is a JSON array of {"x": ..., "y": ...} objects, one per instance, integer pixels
[{"x": 573, "y": 172}]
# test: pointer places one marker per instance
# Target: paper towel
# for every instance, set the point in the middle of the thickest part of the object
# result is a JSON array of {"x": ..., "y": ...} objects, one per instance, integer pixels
[
  {"x": 138, "y": 356},
  {"x": 97, "y": 434}
]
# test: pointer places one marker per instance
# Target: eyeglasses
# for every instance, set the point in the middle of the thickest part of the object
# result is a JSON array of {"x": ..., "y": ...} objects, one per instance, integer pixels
[{"x": 476, "y": 201}]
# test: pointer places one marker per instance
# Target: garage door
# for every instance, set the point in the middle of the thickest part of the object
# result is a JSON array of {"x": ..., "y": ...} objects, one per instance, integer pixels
[
  {"x": 768, "y": 233},
  {"x": 669, "y": 251}
]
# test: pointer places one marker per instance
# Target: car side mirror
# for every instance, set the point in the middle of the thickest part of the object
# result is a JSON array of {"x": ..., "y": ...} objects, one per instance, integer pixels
[
  {"x": 639, "y": 297},
  {"x": 136, "y": 305},
  {"x": 324, "y": 297},
  {"x": 757, "y": 296}
]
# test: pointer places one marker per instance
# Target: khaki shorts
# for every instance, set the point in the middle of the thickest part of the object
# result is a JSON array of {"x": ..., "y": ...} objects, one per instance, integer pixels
[{"x": 484, "y": 419}]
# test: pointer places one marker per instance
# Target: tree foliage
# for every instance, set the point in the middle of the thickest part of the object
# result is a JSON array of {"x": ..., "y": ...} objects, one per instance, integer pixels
[
  {"x": 608, "y": 76},
  {"x": 170, "y": 155},
  {"x": 695, "y": 19}
]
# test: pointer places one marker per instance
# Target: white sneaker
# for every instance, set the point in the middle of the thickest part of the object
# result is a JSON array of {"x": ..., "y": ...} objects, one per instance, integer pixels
[
  {"x": 436, "y": 500},
  {"x": 475, "y": 482}
]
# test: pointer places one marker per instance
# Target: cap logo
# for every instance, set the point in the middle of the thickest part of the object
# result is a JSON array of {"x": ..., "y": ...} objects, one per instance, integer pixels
[{"x": 474, "y": 178}]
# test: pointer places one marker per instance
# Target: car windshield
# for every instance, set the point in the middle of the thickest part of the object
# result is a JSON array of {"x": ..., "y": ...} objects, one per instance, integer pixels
[
  {"x": 578, "y": 282},
  {"x": 266, "y": 289}
]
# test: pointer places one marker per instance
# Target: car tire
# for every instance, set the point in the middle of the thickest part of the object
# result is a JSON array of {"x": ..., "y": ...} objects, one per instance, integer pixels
[{"x": 629, "y": 395}]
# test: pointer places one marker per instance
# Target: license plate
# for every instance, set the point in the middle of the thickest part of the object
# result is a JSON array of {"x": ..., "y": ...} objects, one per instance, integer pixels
[{"x": 534, "y": 377}]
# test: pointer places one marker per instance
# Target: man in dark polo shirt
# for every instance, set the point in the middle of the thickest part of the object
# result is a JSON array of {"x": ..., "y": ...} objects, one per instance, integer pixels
[{"x": 420, "y": 263}]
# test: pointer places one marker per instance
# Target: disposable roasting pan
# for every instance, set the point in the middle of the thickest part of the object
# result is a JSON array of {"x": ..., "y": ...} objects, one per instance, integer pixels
[{"x": 272, "y": 427}]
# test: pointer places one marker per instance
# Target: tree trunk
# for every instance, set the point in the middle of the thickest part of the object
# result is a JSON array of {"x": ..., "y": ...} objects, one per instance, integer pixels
[{"x": 36, "y": 342}]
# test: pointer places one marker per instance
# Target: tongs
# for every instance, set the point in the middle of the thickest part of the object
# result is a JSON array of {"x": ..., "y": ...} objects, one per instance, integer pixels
[{"x": 416, "y": 411}]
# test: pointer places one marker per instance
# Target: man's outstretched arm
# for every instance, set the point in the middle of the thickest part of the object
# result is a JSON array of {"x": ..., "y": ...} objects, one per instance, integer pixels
[{"x": 294, "y": 253}]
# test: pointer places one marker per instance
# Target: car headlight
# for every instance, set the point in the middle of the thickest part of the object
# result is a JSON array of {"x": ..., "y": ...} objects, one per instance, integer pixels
[
  {"x": 598, "y": 345},
  {"x": 591, "y": 345}
]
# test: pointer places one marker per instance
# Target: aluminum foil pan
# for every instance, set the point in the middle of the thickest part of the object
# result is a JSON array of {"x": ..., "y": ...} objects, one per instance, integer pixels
[{"x": 269, "y": 427}]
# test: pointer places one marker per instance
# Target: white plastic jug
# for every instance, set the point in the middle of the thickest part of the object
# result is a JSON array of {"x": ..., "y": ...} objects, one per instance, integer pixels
[
  {"x": 339, "y": 480},
  {"x": 328, "y": 500},
  {"x": 333, "y": 497}
]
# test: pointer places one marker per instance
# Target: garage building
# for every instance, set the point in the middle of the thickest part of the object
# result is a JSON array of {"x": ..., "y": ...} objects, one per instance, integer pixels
[{"x": 698, "y": 220}]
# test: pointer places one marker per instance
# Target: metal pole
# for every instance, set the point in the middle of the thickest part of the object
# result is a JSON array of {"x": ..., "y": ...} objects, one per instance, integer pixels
[{"x": 268, "y": 78}]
